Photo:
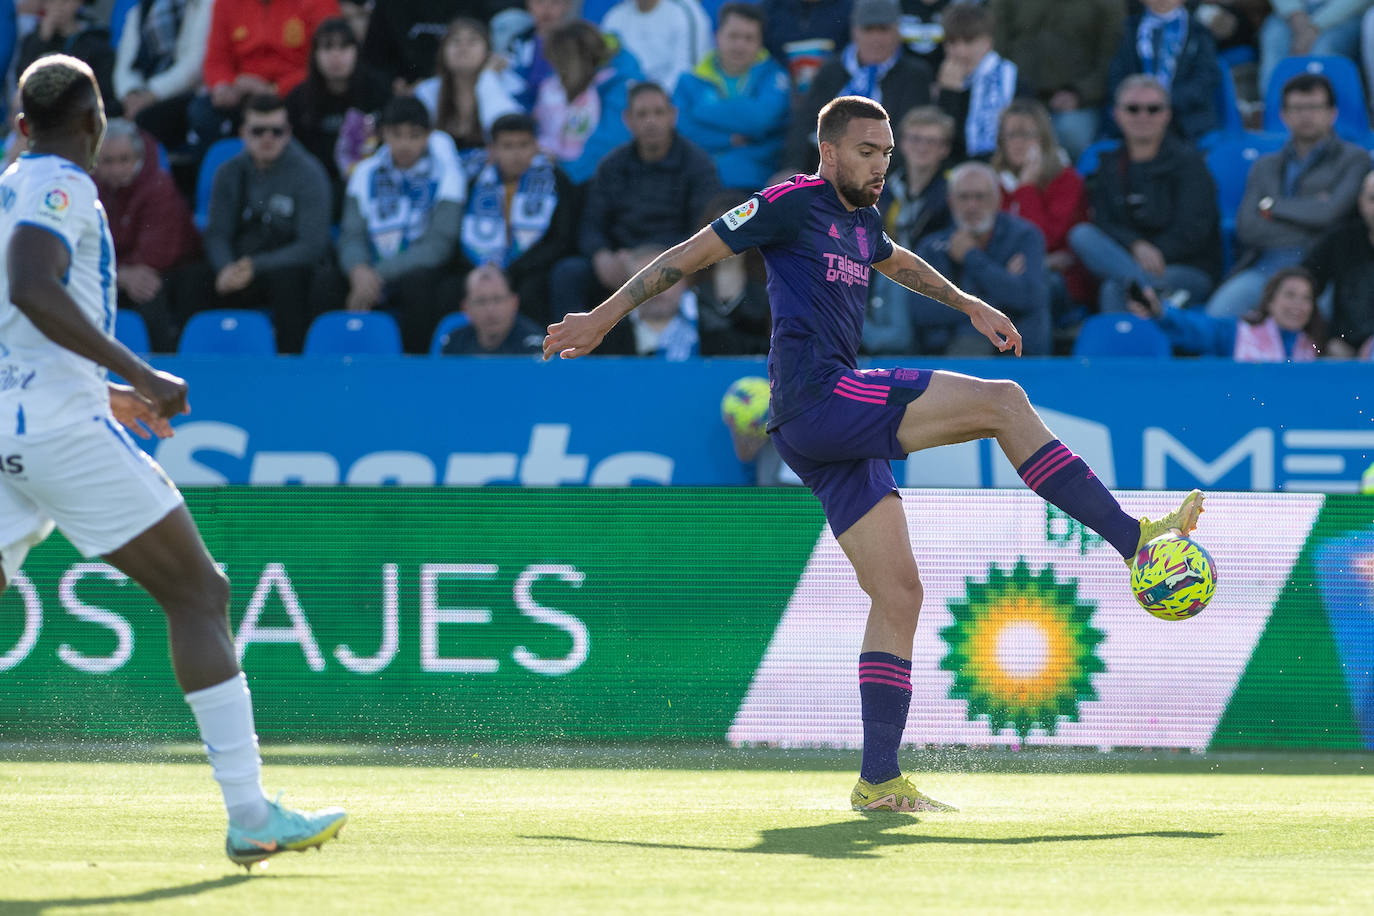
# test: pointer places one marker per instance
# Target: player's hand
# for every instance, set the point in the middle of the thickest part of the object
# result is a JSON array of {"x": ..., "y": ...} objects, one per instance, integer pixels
[
  {"x": 578, "y": 334},
  {"x": 995, "y": 326},
  {"x": 136, "y": 413},
  {"x": 165, "y": 392}
]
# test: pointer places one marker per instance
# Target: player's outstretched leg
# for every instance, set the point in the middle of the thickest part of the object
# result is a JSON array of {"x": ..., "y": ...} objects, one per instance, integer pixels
[
  {"x": 879, "y": 547},
  {"x": 170, "y": 561},
  {"x": 958, "y": 408}
]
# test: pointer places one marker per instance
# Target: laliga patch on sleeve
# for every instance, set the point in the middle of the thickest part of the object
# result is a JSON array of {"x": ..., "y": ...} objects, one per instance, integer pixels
[
  {"x": 742, "y": 214},
  {"x": 54, "y": 205}
]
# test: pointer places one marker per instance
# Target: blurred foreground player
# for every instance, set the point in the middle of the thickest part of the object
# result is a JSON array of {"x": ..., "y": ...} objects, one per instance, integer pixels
[
  {"x": 68, "y": 462},
  {"x": 839, "y": 427}
]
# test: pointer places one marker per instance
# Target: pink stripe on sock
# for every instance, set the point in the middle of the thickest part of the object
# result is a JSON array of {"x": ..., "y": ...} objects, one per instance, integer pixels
[
  {"x": 855, "y": 397},
  {"x": 1053, "y": 455},
  {"x": 1050, "y": 472},
  {"x": 883, "y": 667},
  {"x": 891, "y": 682},
  {"x": 880, "y": 389}
]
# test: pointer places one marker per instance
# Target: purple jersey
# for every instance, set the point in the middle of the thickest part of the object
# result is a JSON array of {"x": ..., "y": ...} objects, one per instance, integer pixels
[{"x": 818, "y": 254}]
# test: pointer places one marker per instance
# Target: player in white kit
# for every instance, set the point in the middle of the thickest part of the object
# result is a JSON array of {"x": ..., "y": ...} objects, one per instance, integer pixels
[{"x": 65, "y": 458}]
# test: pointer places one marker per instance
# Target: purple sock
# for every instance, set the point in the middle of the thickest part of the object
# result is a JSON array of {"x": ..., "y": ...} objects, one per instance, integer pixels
[
  {"x": 884, "y": 697},
  {"x": 1059, "y": 476}
]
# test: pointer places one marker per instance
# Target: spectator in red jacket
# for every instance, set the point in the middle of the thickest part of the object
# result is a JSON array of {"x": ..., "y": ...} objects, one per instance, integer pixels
[
  {"x": 1042, "y": 187},
  {"x": 256, "y": 47},
  {"x": 150, "y": 223}
]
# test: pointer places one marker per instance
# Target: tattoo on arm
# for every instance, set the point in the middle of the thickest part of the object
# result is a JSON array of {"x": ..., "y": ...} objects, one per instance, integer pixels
[
  {"x": 927, "y": 281},
  {"x": 651, "y": 281}
]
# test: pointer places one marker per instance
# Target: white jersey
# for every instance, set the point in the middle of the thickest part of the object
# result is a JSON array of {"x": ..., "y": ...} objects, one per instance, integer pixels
[{"x": 44, "y": 386}]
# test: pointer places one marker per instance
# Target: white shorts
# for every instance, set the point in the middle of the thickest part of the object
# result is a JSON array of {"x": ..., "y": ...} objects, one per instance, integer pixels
[{"x": 90, "y": 478}]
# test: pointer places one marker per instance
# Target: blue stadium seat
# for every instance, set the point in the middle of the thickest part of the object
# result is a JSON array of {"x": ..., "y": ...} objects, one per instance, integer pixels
[
  {"x": 353, "y": 334},
  {"x": 453, "y": 321},
  {"x": 118, "y": 13},
  {"x": 131, "y": 330},
  {"x": 1352, "y": 118},
  {"x": 1121, "y": 335},
  {"x": 229, "y": 332},
  {"x": 220, "y": 152},
  {"x": 1229, "y": 160},
  {"x": 1087, "y": 160}
]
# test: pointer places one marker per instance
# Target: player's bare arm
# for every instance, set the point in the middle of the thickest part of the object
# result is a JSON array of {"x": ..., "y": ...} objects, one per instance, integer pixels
[
  {"x": 906, "y": 268},
  {"x": 37, "y": 261},
  {"x": 580, "y": 333}
]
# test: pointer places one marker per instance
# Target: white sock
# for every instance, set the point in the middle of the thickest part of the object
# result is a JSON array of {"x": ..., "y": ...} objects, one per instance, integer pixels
[{"x": 224, "y": 713}]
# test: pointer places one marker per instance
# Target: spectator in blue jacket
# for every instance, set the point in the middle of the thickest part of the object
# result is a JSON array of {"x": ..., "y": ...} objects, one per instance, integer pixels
[
  {"x": 1170, "y": 44},
  {"x": 734, "y": 104},
  {"x": 579, "y": 108},
  {"x": 991, "y": 254},
  {"x": 1284, "y": 327}
]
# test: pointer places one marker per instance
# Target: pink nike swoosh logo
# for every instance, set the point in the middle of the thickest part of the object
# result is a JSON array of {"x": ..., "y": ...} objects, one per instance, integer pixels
[{"x": 265, "y": 847}]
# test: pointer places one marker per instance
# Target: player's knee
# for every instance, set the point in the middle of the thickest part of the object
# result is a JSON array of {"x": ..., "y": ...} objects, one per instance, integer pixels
[
  {"x": 900, "y": 593},
  {"x": 1005, "y": 402},
  {"x": 206, "y": 593}
]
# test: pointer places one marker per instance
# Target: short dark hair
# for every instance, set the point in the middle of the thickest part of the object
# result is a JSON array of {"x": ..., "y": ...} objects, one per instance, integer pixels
[
  {"x": 55, "y": 88},
  {"x": 743, "y": 10},
  {"x": 835, "y": 116},
  {"x": 639, "y": 89},
  {"x": 405, "y": 109},
  {"x": 1309, "y": 82},
  {"x": 517, "y": 122},
  {"x": 965, "y": 21},
  {"x": 264, "y": 103}
]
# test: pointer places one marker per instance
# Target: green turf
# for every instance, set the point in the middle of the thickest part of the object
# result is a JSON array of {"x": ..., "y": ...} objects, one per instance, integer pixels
[{"x": 476, "y": 834}]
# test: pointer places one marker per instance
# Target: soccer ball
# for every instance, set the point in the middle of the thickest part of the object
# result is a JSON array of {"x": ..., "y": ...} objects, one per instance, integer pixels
[
  {"x": 745, "y": 406},
  {"x": 1173, "y": 577}
]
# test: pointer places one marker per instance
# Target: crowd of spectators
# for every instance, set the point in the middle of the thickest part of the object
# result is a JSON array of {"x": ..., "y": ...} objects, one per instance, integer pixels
[{"x": 515, "y": 161}]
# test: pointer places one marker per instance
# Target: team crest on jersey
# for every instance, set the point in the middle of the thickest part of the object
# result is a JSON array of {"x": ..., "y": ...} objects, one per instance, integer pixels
[
  {"x": 56, "y": 200},
  {"x": 742, "y": 214}
]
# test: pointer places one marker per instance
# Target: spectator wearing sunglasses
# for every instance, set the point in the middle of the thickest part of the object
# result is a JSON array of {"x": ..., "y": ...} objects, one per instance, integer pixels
[
  {"x": 1170, "y": 44},
  {"x": 269, "y": 223},
  {"x": 1154, "y": 211}
]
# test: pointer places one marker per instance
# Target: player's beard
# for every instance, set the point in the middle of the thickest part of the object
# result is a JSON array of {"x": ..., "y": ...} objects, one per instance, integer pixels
[{"x": 857, "y": 195}]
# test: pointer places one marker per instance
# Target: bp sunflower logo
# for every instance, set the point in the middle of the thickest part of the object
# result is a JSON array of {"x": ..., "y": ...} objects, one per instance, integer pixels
[{"x": 1022, "y": 649}]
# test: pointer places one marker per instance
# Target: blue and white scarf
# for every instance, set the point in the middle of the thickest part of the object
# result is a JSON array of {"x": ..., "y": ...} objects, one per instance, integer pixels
[
  {"x": 866, "y": 80},
  {"x": 1172, "y": 31},
  {"x": 488, "y": 236},
  {"x": 159, "y": 26},
  {"x": 992, "y": 86},
  {"x": 396, "y": 204}
]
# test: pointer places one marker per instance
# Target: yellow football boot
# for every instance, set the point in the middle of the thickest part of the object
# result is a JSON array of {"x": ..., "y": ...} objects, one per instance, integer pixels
[
  {"x": 1182, "y": 520},
  {"x": 896, "y": 794}
]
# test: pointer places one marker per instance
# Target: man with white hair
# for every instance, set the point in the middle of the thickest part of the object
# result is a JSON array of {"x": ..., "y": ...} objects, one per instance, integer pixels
[{"x": 992, "y": 254}]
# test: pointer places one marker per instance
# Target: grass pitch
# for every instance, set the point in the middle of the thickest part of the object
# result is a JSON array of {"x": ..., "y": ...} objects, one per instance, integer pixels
[{"x": 696, "y": 832}]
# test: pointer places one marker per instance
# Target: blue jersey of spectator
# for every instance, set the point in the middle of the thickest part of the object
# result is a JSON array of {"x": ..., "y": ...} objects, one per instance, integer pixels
[{"x": 739, "y": 118}]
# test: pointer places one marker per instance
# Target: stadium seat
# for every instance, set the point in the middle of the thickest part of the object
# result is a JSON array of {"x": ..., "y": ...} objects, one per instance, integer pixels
[
  {"x": 353, "y": 334},
  {"x": 454, "y": 321},
  {"x": 1352, "y": 118},
  {"x": 1087, "y": 161},
  {"x": 118, "y": 13},
  {"x": 229, "y": 332},
  {"x": 1228, "y": 112},
  {"x": 132, "y": 331},
  {"x": 1121, "y": 334},
  {"x": 220, "y": 152},
  {"x": 1229, "y": 160}
]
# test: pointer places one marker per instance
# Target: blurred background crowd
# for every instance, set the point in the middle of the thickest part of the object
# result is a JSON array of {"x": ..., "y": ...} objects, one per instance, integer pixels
[{"x": 449, "y": 176}]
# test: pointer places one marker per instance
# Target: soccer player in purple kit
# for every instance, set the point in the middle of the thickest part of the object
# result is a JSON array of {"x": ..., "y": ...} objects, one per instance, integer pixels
[{"x": 839, "y": 427}]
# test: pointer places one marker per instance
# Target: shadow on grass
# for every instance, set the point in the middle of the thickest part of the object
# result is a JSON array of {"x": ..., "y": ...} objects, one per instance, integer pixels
[
  {"x": 38, "y": 907},
  {"x": 863, "y": 837}
]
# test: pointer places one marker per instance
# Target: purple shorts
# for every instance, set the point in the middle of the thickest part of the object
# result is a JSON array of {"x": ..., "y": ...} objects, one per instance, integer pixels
[{"x": 842, "y": 447}]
